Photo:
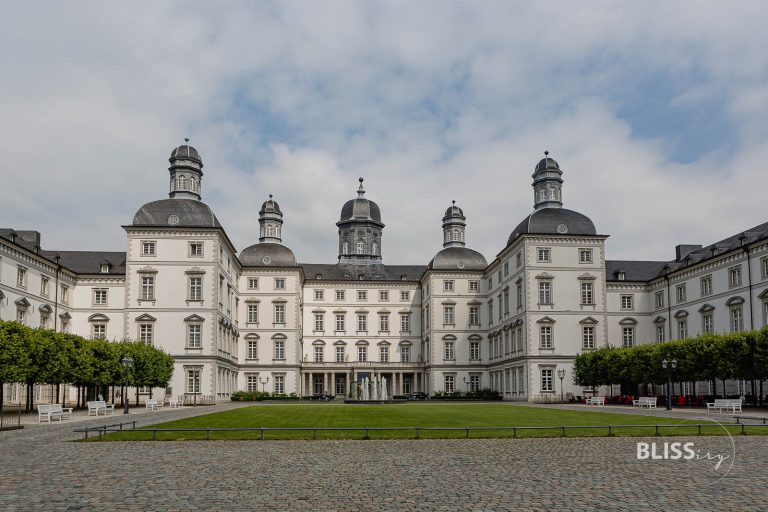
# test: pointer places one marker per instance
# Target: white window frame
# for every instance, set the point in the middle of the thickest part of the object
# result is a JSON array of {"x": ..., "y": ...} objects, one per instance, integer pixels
[
  {"x": 279, "y": 283},
  {"x": 319, "y": 294},
  {"x": 474, "y": 315},
  {"x": 279, "y": 312},
  {"x": 252, "y": 313},
  {"x": 448, "y": 285},
  {"x": 319, "y": 322},
  {"x": 147, "y": 287},
  {"x": 362, "y": 295},
  {"x": 21, "y": 276},
  {"x": 449, "y": 383},
  {"x": 405, "y": 322},
  {"x": 546, "y": 337},
  {"x": 449, "y": 315},
  {"x": 100, "y": 297},
  {"x": 383, "y": 295},
  {"x": 474, "y": 350},
  {"x": 680, "y": 293},
  {"x": 587, "y": 293},
  {"x": 340, "y": 322},
  {"x": 547, "y": 380},
  {"x": 706, "y": 285},
  {"x": 405, "y": 354},
  {"x": 148, "y": 248},
  {"x": 585, "y": 255},
  {"x": 340, "y": 353},
  {"x": 194, "y": 335},
  {"x": 588, "y": 336},
  {"x": 627, "y": 301},
  {"x": 279, "y": 349},
  {"x": 252, "y": 349},
  {"x": 195, "y": 288},
  {"x": 362, "y": 322},
  {"x": 340, "y": 294},
  {"x": 543, "y": 255},
  {"x": 253, "y": 283},
  {"x": 734, "y": 276},
  {"x": 384, "y": 322},
  {"x": 146, "y": 333},
  {"x": 449, "y": 351},
  {"x": 627, "y": 336},
  {"x": 383, "y": 353},
  {"x": 474, "y": 286},
  {"x": 196, "y": 249},
  {"x": 545, "y": 292}
]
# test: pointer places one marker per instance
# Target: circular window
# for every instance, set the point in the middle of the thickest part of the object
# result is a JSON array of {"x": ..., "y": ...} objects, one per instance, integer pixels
[
  {"x": 460, "y": 264},
  {"x": 562, "y": 229},
  {"x": 266, "y": 260},
  {"x": 173, "y": 220}
]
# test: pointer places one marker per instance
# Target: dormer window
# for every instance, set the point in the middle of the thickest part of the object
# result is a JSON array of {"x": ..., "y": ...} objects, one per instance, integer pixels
[
  {"x": 621, "y": 276},
  {"x": 104, "y": 269}
]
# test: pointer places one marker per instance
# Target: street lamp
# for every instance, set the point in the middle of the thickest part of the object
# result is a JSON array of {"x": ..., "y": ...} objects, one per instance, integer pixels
[
  {"x": 561, "y": 376},
  {"x": 263, "y": 383},
  {"x": 465, "y": 384},
  {"x": 127, "y": 364},
  {"x": 196, "y": 387},
  {"x": 669, "y": 366}
]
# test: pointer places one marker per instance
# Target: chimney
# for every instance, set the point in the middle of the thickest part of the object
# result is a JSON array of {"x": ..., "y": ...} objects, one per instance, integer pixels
[{"x": 683, "y": 250}]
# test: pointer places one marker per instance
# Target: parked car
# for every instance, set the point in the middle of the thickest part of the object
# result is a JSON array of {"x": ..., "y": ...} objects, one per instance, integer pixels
[{"x": 418, "y": 396}]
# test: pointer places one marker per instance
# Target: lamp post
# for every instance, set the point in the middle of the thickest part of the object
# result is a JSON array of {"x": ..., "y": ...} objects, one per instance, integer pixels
[
  {"x": 196, "y": 388},
  {"x": 561, "y": 376},
  {"x": 669, "y": 366},
  {"x": 263, "y": 383},
  {"x": 465, "y": 384},
  {"x": 127, "y": 364}
]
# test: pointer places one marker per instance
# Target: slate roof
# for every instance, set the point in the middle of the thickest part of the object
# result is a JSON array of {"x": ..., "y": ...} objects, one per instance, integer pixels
[
  {"x": 633, "y": 270},
  {"x": 267, "y": 254},
  {"x": 176, "y": 213},
  {"x": 89, "y": 262},
  {"x": 547, "y": 220},
  {"x": 458, "y": 258},
  {"x": 375, "y": 272}
]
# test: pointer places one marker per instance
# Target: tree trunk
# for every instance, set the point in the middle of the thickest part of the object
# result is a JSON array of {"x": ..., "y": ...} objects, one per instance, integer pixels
[
  {"x": 58, "y": 395},
  {"x": 2, "y": 395},
  {"x": 761, "y": 392},
  {"x": 113, "y": 394},
  {"x": 725, "y": 395}
]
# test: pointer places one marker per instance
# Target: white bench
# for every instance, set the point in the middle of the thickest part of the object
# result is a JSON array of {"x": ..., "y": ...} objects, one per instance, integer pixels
[
  {"x": 53, "y": 411},
  {"x": 645, "y": 401},
  {"x": 153, "y": 404},
  {"x": 176, "y": 402},
  {"x": 100, "y": 406},
  {"x": 725, "y": 404},
  {"x": 595, "y": 400}
]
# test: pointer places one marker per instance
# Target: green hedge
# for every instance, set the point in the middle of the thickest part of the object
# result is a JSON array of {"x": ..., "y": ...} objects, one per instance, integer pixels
[
  {"x": 482, "y": 394},
  {"x": 258, "y": 396}
]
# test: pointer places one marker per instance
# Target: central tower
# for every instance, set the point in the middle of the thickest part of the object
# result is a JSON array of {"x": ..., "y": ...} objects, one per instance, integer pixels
[{"x": 360, "y": 230}]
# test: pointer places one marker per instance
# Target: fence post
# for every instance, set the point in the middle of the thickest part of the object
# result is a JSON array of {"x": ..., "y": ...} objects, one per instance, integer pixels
[
  {"x": 154, "y": 435},
  {"x": 467, "y": 433},
  {"x": 610, "y": 433},
  {"x": 366, "y": 434},
  {"x": 134, "y": 424},
  {"x": 314, "y": 433},
  {"x": 418, "y": 433},
  {"x": 208, "y": 434},
  {"x": 743, "y": 431},
  {"x": 657, "y": 431},
  {"x": 262, "y": 434},
  {"x": 563, "y": 431},
  {"x": 699, "y": 433},
  {"x": 514, "y": 431}
]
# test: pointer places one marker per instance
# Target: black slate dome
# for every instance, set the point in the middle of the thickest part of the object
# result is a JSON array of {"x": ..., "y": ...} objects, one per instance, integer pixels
[
  {"x": 270, "y": 205},
  {"x": 185, "y": 152},
  {"x": 546, "y": 163},
  {"x": 176, "y": 212},
  {"x": 453, "y": 210},
  {"x": 458, "y": 258},
  {"x": 554, "y": 221},
  {"x": 267, "y": 254},
  {"x": 360, "y": 208}
]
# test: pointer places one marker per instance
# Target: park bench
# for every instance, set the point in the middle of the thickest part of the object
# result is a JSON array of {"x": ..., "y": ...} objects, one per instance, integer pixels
[
  {"x": 645, "y": 401},
  {"x": 51, "y": 411},
  {"x": 725, "y": 404},
  {"x": 595, "y": 400},
  {"x": 100, "y": 406},
  {"x": 175, "y": 402},
  {"x": 153, "y": 404}
]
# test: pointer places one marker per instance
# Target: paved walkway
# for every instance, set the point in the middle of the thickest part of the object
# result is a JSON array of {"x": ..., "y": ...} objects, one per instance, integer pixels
[{"x": 40, "y": 469}]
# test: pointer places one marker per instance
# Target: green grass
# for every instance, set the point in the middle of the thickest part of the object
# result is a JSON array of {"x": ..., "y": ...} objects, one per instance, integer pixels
[{"x": 412, "y": 415}]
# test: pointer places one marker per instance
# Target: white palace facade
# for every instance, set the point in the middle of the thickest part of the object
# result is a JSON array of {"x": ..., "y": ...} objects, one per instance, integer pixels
[{"x": 258, "y": 320}]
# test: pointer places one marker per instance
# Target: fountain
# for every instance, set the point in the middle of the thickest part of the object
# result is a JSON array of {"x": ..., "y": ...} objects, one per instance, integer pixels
[{"x": 371, "y": 390}]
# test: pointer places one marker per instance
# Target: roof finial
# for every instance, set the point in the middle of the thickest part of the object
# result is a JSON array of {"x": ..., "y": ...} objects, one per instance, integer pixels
[
  {"x": 453, "y": 202},
  {"x": 546, "y": 154},
  {"x": 361, "y": 190},
  {"x": 186, "y": 139},
  {"x": 270, "y": 196}
]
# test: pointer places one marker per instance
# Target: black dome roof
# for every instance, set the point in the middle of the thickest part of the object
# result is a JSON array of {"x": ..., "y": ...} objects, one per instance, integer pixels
[
  {"x": 186, "y": 152},
  {"x": 554, "y": 221},
  {"x": 176, "y": 212},
  {"x": 546, "y": 163},
  {"x": 270, "y": 205},
  {"x": 360, "y": 208},
  {"x": 458, "y": 258},
  {"x": 267, "y": 254},
  {"x": 452, "y": 210}
]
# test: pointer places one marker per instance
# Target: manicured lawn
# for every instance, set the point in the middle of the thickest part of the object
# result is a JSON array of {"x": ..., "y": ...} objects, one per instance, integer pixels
[{"x": 411, "y": 415}]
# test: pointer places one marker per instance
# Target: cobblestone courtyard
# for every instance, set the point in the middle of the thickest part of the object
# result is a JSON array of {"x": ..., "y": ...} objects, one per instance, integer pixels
[{"x": 41, "y": 469}]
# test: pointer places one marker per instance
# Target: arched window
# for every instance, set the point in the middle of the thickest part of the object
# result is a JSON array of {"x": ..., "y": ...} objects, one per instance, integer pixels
[
  {"x": 270, "y": 230},
  {"x": 543, "y": 194},
  {"x": 456, "y": 236},
  {"x": 180, "y": 183},
  {"x": 374, "y": 248},
  {"x": 345, "y": 248},
  {"x": 360, "y": 247},
  {"x": 277, "y": 230}
]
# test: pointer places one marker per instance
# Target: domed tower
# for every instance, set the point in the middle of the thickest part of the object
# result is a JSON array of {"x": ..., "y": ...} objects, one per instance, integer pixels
[
  {"x": 270, "y": 222},
  {"x": 186, "y": 172},
  {"x": 453, "y": 226},
  {"x": 547, "y": 184},
  {"x": 360, "y": 230}
]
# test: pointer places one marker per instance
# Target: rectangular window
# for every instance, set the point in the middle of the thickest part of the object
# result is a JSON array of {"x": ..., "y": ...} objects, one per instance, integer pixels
[
  {"x": 362, "y": 323},
  {"x": 196, "y": 288},
  {"x": 498, "y": 275},
  {"x": 547, "y": 380},
  {"x": 384, "y": 354},
  {"x": 279, "y": 384},
  {"x": 21, "y": 315},
  {"x": 660, "y": 334},
  {"x": 318, "y": 354},
  {"x": 543, "y": 255},
  {"x": 627, "y": 302},
  {"x": 362, "y": 354},
  {"x": 194, "y": 336},
  {"x": 519, "y": 295},
  {"x": 764, "y": 267},
  {"x": 490, "y": 312},
  {"x": 339, "y": 294},
  {"x": 474, "y": 286},
  {"x": 252, "y": 383},
  {"x": 147, "y": 248},
  {"x": 519, "y": 259},
  {"x": 339, "y": 354},
  {"x": 448, "y": 382},
  {"x": 340, "y": 323},
  {"x": 362, "y": 294},
  {"x": 279, "y": 283},
  {"x": 474, "y": 315},
  {"x": 587, "y": 295},
  {"x": 193, "y": 381},
  {"x": 545, "y": 292},
  {"x": 405, "y": 322},
  {"x": 146, "y": 333},
  {"x": 474, "y": 350},
  {"x": 490, "y": 283},
  {"x": 99, "y": 297},
  {"x": 506, "y": 268},
  {"x": 734, "y": 276},
  {"x": 383, "y": 296},
  {"x": 405, "y": 295},
  {"x": 447, "y": 286},
  {"x": 506, "y": 301},
  {"x": 253, "y": 283},
  {"x": 44, "y": 321},
  {"x": 253, "y": 314},
  {"x": 707, "y": 324},
  {"x": 448, "y": 316},
  {"x": 545, "y": 336},
  {"x": 405, "y": 354},
  {"x": 196, "y": 249},
  {"x": 682, "y": 329},
  {"x": 21, "y": 277},
  {"x": 706, "y": 285},
  {"x": 737, "y": 320},
  {"x": 252, "y": 350},
  {"x": 148, "y": 288},
  {"x": 680, "y": 293},
  {"x": 65, "y": 293},
  {"x": 279, "y": 313},
  {"x": 659, "y": 299},
  {"x": 627, "y": 336},
  {"x": 384, "y": 323},
  {"x": 448, "y": 353},
  {"x": 319, "y": 294},
  {"x": 585, "y": 255},
  {"x": 474, "y": 383},
  {"x": 319, "y": 322},
  {"x": 279, "y": 349},
  {"x": 99, "y": 331},
  {"x": 44, "y": 286},
  {"x": 588, "y": 336}
]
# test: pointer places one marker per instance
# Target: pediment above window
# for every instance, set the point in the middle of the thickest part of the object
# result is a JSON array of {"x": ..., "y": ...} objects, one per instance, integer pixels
[
  {"x": 45, "y": 308},
  {"x": 628, "y": 321},
  {"x": 586, "y": 276},
  {"x": 340, "y": 343},
  {"x": 384, "y": 343},
  {"x": 449, "y": 337},
  {"x": 361, "y": 343},
  {"x": 448, "y": 302},
  {"x": 146, "y": 317},
  {"x": 252, "y": 336},
  {"x": 734, "y": 301},
  {"x": 65, "y": 316},
  {"x": 474, "y": 302},
  {"x": 405, "y": 312},
  {"x": 763, "y": 295},
  {"x": 318, "y": 311},
  {"x": 279, "y": 300},
  {"x": 545, "y": 275},
  {"x": 194, "y": 318},
  {"x": 588, "y": 321},
  {"x": 706, "y": 308},
  {"x": 22, "y": 302},
  {"x": 147, "y": 270},
  {"x": 405, "y": 343},
  {"x": 681, "y": 314},
  {"x": 195, "y": 270},
  {"x": 279, "y": 336},
  {"x": 545, "y": 320},
  {"x": 383, "y": 311},
  {"x": 659, "y": 320},
  {"x": 318, "y": 343},
  {"x": 475, "y": 337},
  {"x": 361, "y": 312},
  {"x": 252, "y": 300},
  {"x": 98, "y": 317}
]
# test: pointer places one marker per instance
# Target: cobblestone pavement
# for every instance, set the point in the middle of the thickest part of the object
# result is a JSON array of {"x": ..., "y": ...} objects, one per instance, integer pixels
[{"x": 41, "y": 469}]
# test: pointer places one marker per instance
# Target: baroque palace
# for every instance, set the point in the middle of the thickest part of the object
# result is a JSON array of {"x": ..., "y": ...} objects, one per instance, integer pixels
[{"x": 258, "y": 320}]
